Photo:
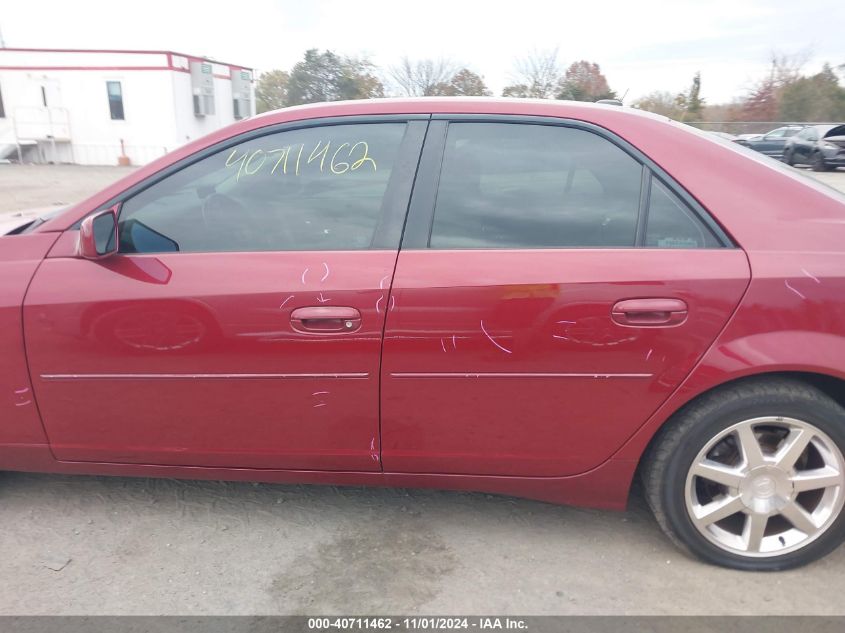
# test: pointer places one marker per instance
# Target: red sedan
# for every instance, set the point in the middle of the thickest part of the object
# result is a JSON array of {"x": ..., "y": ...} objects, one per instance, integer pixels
[{"x": 541, "y": 299}]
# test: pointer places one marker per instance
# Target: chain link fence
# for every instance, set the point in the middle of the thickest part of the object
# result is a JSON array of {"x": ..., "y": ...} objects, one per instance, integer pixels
[{"x": 750, "y": 127}]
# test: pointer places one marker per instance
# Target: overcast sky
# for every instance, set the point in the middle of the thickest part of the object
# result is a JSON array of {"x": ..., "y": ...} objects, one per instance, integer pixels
[{"x": 641, "y": 45}]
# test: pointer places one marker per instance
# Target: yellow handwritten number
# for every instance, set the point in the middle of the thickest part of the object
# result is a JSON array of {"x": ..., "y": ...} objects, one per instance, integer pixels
[
  {"x": 250, "y": 163},
  {"x": 364, "y": 158},
  {"x": 335, "y": 166}
]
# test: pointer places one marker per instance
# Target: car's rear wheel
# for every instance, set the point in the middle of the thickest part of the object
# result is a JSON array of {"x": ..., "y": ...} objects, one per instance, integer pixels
[
  {"x": 818, "y": 162},
  {"x": 752, "y": 476}
]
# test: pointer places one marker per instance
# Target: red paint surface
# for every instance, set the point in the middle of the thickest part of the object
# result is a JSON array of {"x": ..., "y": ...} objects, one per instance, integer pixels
[
  {"x": 563, "y": 386},
  {"x": 20, "y": 256},
  {"x": 211, "y": 315},
  {"x": 500, "y": 371}
]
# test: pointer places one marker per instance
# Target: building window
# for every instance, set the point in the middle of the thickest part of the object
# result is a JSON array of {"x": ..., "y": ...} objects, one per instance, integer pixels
[
  {"x": 115, "y": 100},
  {"x": 241, "y": 107}
]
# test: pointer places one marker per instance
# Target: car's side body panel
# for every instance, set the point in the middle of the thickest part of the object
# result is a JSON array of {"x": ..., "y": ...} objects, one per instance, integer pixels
[
  {"x": 788, "y": 320},
  {"x": 20, "y": 425},
  {"x": 510, "y": 363},
  {"x": 192, "y": 359}
]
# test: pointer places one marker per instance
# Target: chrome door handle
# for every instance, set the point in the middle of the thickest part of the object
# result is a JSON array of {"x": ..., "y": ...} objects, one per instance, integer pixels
[
  {"x": 650, "y": 312},
  {"x": 325, "y": 319}
]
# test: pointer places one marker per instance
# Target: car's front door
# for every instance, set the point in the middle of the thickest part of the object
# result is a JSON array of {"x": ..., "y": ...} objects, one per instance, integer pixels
[
  {"x": 240, "y": 324},
  {"x": 546, "y": 300}
]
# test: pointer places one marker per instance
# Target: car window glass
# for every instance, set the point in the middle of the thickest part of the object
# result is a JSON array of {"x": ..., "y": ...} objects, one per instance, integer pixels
[
  {"x": 318, "y": 188},
  {"x": 775, "y": 134},
  {"x": 672, "y": 224},
  {"x": 505, "y": 185}
]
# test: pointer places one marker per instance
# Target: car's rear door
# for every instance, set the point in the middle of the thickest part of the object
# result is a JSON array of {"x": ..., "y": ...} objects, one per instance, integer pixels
[
  {"x": 553, "y": 288},
  {"x": 240, "y": 325}
]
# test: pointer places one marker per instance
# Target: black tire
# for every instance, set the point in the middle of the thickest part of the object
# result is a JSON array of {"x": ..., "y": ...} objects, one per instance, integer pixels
[
  {"x": 789, "y": 158},
  {"x": 818, "y": 163},
  {"x": 676, "y": 446}
]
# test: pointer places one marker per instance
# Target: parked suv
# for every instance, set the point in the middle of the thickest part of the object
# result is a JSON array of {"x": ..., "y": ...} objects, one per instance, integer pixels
[
  {"x": 822, "y": 146},
  {"x": 770, "y": 143}
]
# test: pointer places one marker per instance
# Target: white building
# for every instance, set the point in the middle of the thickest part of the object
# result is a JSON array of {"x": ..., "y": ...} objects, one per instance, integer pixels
[{"x": 102, "y": 107}]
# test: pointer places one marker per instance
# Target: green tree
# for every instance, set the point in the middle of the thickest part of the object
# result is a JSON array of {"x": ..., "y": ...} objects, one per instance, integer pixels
[
  {"x": 271, "y": 91},
  {"x": 519, "y": 91},
  {"x": 690, "y": 104},
  {"x": 816, "y": 98},
  {"x": 584, "y": 81},
  {"x": 660, "y": 102},
  {"x": 694, "y": 102},
  {"x": 463, "y": 83},
  {"x": 329, "y": 77}
]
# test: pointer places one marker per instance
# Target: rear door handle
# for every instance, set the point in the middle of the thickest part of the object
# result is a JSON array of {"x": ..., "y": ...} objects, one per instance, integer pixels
[
  {"x": 650, "y": 312},
  {"x": 325, "y": 319}
]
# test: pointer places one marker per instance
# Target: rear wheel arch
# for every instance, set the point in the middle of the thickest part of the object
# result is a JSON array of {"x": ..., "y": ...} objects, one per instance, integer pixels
[
  {"x": 799, "y": 397},
  {"x": 831, "y": 386}
]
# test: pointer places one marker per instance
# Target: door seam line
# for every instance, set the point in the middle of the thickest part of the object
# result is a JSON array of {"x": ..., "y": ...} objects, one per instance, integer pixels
[{"x": 388, "y": 306}]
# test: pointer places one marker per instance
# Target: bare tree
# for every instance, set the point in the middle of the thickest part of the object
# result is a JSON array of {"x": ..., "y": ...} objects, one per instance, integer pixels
[
  {"x": 763, "y": 100},
  {"x": 786, "y": 67},
  {"x": 422, "y": 78},
  {"x": 536, "y": 75}
]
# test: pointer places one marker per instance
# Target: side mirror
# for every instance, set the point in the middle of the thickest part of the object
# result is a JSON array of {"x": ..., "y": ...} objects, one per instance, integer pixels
[{"x": 98, "y": 235}]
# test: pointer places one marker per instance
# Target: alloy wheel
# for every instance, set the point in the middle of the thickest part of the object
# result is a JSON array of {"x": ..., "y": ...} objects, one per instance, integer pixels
[{"x": 766, "y": 486}]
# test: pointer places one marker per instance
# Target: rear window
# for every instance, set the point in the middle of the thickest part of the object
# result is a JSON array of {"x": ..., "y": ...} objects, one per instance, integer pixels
[{"x": 506, "y": 185}]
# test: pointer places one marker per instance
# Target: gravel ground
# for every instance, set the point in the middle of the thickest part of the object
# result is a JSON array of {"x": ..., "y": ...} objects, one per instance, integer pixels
[
  {"x": 102, "y": 545},
  {"x": 35, "y": 187}
]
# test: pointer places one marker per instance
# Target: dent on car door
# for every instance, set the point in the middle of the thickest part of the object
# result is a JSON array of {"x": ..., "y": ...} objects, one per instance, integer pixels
[
  {"x": 240, "y": 324},
  {"x": 547, "y": 301}
]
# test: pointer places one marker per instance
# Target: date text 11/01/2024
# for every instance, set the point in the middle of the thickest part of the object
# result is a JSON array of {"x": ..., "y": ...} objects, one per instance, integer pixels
[{"x": 430, "y": 623}]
